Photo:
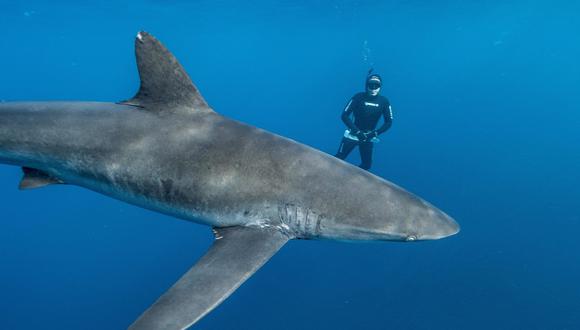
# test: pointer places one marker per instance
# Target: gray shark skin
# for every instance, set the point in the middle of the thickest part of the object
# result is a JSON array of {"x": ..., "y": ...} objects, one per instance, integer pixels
[{"x": 166, "y": 150}]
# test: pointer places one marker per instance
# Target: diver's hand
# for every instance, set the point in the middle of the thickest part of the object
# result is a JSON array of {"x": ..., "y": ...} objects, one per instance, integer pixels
[
  {"x": 360, "y": 135},
  {"x": 371, "y": 135},
  {"x": 366, "y": 136}
]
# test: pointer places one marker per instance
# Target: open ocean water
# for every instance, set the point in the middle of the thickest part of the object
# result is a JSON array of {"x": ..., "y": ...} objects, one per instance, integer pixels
[{"x": 486, "y": 126}]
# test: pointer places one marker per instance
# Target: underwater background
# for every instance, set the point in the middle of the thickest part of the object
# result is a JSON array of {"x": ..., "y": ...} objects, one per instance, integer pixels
[{"x": 485, "y": 97}]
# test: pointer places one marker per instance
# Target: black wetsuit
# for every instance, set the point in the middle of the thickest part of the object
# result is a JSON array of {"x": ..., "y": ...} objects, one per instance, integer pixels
[{"x": 366, "y": 110}]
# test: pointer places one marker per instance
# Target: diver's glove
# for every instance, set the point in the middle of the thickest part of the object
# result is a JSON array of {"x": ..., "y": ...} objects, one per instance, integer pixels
[
  {"x": 371, "y": 134},
  {"x": 359, "y": 134},
  {"x": 367, "y": 136}
]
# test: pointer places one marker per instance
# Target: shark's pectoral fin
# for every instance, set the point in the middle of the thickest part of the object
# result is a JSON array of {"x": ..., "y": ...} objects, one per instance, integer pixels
[
  {"x": 236, "y": 254},
  {"x": 34, "y": 178},
  {"x": 165, "y": 86}
]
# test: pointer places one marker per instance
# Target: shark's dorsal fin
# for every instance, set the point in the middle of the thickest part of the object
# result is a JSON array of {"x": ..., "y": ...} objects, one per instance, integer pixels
[
  {"x": 34, "y": 178},
  {"x": 165, "y": 86}
]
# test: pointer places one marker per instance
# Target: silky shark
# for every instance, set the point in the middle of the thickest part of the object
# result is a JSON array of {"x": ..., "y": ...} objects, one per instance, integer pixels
[{"x": 167, "y": 150}]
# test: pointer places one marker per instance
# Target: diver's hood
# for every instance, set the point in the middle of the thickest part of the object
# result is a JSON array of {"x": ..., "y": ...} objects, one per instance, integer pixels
[{"x": 373, "y": 79}]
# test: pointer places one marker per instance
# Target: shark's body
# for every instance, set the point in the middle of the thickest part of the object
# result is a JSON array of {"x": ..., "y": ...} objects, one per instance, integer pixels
[{"x": 168, "y": 151}]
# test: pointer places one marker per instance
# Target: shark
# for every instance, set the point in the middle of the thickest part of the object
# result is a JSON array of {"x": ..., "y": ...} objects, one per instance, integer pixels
[{"x": 167, "y": 150}]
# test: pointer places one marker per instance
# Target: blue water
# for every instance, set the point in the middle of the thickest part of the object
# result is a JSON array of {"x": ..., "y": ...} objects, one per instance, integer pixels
[{"x": 486, "y": 126}]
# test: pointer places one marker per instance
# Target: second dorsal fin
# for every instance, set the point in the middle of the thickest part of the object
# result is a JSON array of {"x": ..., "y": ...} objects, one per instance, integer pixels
[{"x": 165, "y": 86}]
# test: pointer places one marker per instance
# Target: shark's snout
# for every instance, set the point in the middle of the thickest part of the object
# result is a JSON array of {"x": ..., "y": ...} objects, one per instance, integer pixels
[{"x": 441, "y": 226}]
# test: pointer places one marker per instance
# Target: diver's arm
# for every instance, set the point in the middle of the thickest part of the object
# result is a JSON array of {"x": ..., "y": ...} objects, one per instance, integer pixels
[
  {"x": 387, "y": 120},
  {"x": 346, "y": 116}
]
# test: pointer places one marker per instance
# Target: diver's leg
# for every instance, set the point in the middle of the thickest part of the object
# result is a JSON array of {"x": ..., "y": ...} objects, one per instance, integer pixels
[
  {"x": 366, "y": 155},
  {"x": 346, "y": 146}
]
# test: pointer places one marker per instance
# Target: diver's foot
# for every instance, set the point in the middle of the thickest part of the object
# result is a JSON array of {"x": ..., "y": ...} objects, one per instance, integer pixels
[{"x": 365, "y": 167}]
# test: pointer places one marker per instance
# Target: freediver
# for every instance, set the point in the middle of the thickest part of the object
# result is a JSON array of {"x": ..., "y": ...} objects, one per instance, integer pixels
[{"x": 366, "y": 108}]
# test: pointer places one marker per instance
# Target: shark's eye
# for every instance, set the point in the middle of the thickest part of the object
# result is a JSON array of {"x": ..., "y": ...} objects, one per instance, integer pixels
[{"x": 411, "y": 238}]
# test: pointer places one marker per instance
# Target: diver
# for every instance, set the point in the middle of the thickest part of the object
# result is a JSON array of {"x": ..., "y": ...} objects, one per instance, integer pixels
[{"x": 366, "y": 108}]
